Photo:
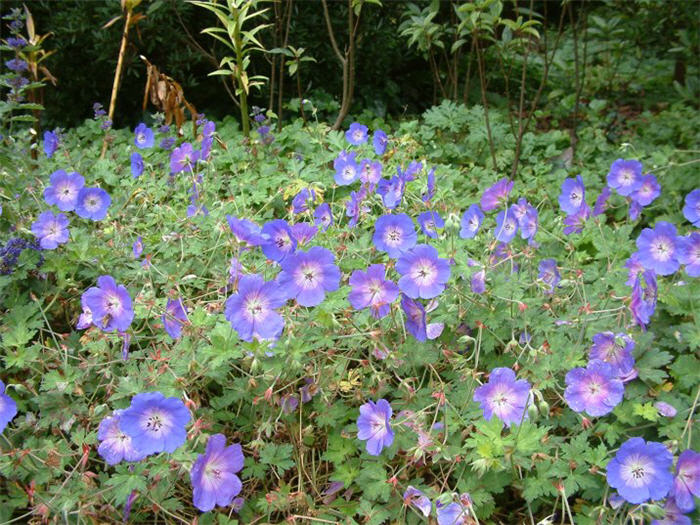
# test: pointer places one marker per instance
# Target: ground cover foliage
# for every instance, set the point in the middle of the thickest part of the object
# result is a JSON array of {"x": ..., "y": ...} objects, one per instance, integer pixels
[{"x": 467, "y": 316}]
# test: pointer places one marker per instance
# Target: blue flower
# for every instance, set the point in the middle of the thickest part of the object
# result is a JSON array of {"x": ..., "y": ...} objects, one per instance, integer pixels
[
  {"x": 307, "y": 276},
  {"x": 596, "y": 389},
  {"x": 430, "y": 189},
  {"x": 115, "y": 445},
  {"x": 689, "y": 253},
  {"x": 136, "y": 164},
  {"x": 51, "y": 230},
  {"x": 280, "y": 242},
  {"x": 658, "y": 249},
  {"x": 109, "y": 305},
  {"x": 323, "y": 216},
  {"x": 63, "y": 190},
  {"x": 391, "y": 191},
  {"x": 430, "y": 222},
  {"x": 379, "y": 141},
  {"x": 549, "y": 273},
  {"x": 691, "y": 210},
  {"x": 640, "y": 471},
  {"x": 8, "y": 408},
  {"x": 357, "y": 134},
  {"x": 372, "y": 289},
  {"x": 423, "y": 273},
  {"x": 213, "y": 474},
  {"x": 394, "y": 234},
  {"x": 347, "y": 170},
  {"x": 573, "y": 193},
  {"x": 506, "y": 226},
  {"x": 251, "y": 311},
  {"x": 504, "y": 397},
  {"x": 625, "y": 176},
  {"x": 93, "y": 203},
  {"x": 174, "y": 318},
  {"x": 155, "y": 423},
  {"x": 471, "y": 222},
  {"x": 374, "y": 426},
  {"x": 50, "y": 143},
  {"x": 143, "y": 136}
]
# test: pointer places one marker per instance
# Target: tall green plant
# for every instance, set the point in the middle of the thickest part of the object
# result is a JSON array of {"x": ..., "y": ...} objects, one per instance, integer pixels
[{"x": 234, "y": 15}]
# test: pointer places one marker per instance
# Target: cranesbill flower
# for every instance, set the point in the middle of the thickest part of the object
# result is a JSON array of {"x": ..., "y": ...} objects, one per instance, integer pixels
[
  {"x": 51, "y": 230},
  {"x": 354, "y": 207},
  {"x": 303, "y": 232},
  {"x": 640, "y": 471},
  {"x": 372, "y": 289},
  {"x": 109, "y": 304},
  {"x": 391, "y": 191},
  {"x": 16, "y": 42},
  {"x": 528, "y": 223},
  {"x": 246, "y": 231},
  {"x": 63, "y": 190},
  {"x": 307, "y": 276},
  {"x": 665, "y": 409},
  {"x": 394, "y": 234},
  {"x": 174, "y": 318},
  {"x": 50, "y": 143},
  {"x": 370, "y": 173},
  {"x": 504, "y": 396},
  {"x": 430, "y": 189},
  {"x": 412, "y": 497},
  {"x": 17, "y": 65},
  {"x": 357, "y": 134},
  {"x": 8, "y": 408},
  {"x": 471, "y": 222},
  {"x": 672, "y": 515},
  {"x": 572, "y": 196},
  {"x": 477, "y": 282},
  {"x": 595, "y": 389},
  {"x": 414, "y": 168},
  {"x": 615, "y": 349},
  {"x": 506, "y": 226},
  {"x": 115, "y": 445},
  {"x": 496, "y": 195},
  {"x": 155, "y": 423},
  {"x": 577, "y": 221},
  {"x": 686, "y": 483},
  {"x": 143, "y": 136},
  {"x": 634, "y": 268},
  {"x": 136, "y": 164},
  {"x": 430, "y": 222},
  {"x": 93, "y": 203},
  {"x": 689, "y": 253},
  {"x": 379, "y": 142},
  {"x": 301, "y": 201},
  {"x": 137, "y": 247},
  {"x": 423, "y": 273},
  {"x": 323, "y": 216},
  {"x": 183, "y": 158},
  {"x": 625, "y": 176},
  {"x": 454, "y": 513},
  {"x": 213, "y": 474},
  {"x": 643, "y": 300},
  {"x": 347, "y": 170},
  {"x": 374, "y": 426},
  {"x": 647, "y": 192},
  {"x": 635, "y": 210},
  {"x": 251, "y": 311},
  {"x": 601, "y": 203},
  {"x": 691, "y": 210},
  {"x": 657, "y": 248},
  {"x": 280, "y": 241},
  {"x": 549, "y": 273}
]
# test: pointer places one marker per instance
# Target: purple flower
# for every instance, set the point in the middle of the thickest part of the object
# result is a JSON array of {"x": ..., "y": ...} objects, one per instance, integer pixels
[
  {"x": 8, "y": 408},
  {"x": 635, "y": 210},
  {"x": 504, "y": 396},
  {"x": 478, "y": 282},
  {"x": 137, "y": 247},
  {"x": 496, "y": 195},
  {"x": 50, "y": 143},
  {"x": 167, "y": 143},
  {"x": 640, "y": 471},
  {"x": 235, "y": 270},
  {"x": 601, "y": 203},
  {"x": 354, "y": 207},
  {"x": 93, "y": 203},
  {"x": 251, "y": 311},
  {"x": 289, "y": 403},
  {"x": 528, "y": 220},
  {"x": 647, "y": 192},
  {"x": 63, "y": 190},
  {"x": 357, "y": 134},
  {"x": 643, "y": 300},
  {"x": 16, "y": 42},
  {"x": 136, "y": 164},
  {"x": 614, "y": 349},
  {"x": 416, "y": 320},
  {"x": 17, "y": 65},
  {"x": 379, "y": 142},
  {"x": 301, "y": 201},
  {"x": 691, "y": 210},
  {"x": 573, "y": 194},
  {"x": 394, "y": 234},
  {"x": 246, "y": 231},
  {"x": 625, "y": 176},
  {"x": 577, "y": 221},
  {"x": 115, "y": 445},
  {"x": 391, "y": 191},
  {"x": 374, "y": 426},
  {"x": 430, "y": 222},
  {"x": 370, "y": 173},
  {"x": 414, "y": 168},
  {"x": 347, "y": 170},
  {"x": 143, "y": 136},
  {"x": 174, "y": 317},
  {"x": 454, "y": 513},
  {"x": 127, "y": 505},
  {"x": 213, "y": 474},
  {"x": 689, "y": 253},
  {"x": 595, "y": 389},
  {"x": 155, "y": 423},
  {"x": 372, "y": 289},
  {"x": 323, "y": 216},
  {"x": 506, "y": 226},
  {"x": 665, "y": 409},
  {"x": 430, "y": 190},
  {"x": 126, "y": 342},
  {"x": 183, "y": 158},
  {"x": 303, "y": 232},
  {"x": 686, "y": 483},
  {"x": 109, "y": 304},
  {"x": 280, "y": 241},
  {"x": 423, "y": 273},
  {"x": 51, "y": 230},
  {"x": 471, "y": 222},
  {"x": 413, "y": 497},
  {"x": 635, "y": 268},
  {"x": 657, "y": 248},
  {"x": 549, "y": 273},
  {"x": 307, "y": 276},
  {"x": 673, "y": 515}
]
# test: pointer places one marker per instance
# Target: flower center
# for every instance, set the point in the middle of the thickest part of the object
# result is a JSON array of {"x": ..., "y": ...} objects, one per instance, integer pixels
[
  {"x": 594, "y": 388},
  {"x": 141, "y": 138},
  {"x": 393, "y": 236},
  {"x": 154, "y": 423},
  {"x": 662, "y": 250},
  {"x": 92, "y": 204}
]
